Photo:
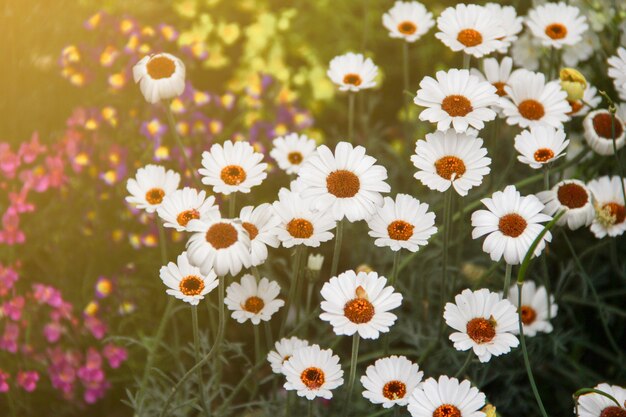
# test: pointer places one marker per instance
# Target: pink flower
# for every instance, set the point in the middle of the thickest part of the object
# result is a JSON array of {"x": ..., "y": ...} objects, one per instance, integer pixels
[
  {"x": 11, "y": 233},
  {"x": 46, "y": 294},
  {"x": 8, "y": 341},
  {"x": 62, "y": 369},
  {"x": 9, "y": 161},
  {"x": 52, "y": 331},
  {"x": 18, "y": 201},
  {"x": 4, "y": 381},
  {"x": 56, "y": 171},
  {"x": 13, "y": 308},
  {"x": 93, "y": 378},
  {"x": 115, "y": 355},
  {"x": 8, "y": 277},
  {"x": 30, "y": 150},
  {"x": 96, "y": 326},
  {"x": 28, "y": 380}
]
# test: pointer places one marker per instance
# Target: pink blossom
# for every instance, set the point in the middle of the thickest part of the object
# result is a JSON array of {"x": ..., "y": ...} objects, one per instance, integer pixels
[
  {"x": 8, "y": 277},
  {"x": 28, "y": 380},
  {"x": 62, "y": 369},
  {"x": 52, "y": 331},
  {"x": 35, "y": 178},
  {"x": 115, "y": 355},
  {"x": 96, "y": 326},
  {"x": 8, "y": 341},
  {"x": 11, "y": 233},
  {"x": 13, "y": 308},
  {"x": 18, "y": 201},
  {"x": 46, "y": 294},
  {"x": 9, "y": 161},
  {"x": 93, "y": 378},
  {"x": 56, "y": 171},
  {"x": 4, "y": 381},
  {"x": 30, "y": 150}
]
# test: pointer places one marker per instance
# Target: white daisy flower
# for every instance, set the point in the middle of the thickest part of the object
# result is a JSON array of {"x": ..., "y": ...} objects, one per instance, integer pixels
[
  {"x": 599, "y": 128},
  {"x": 182, "y": 206},
  {"x": 512, "y": 223},
  {"x": 581, "y": 107},
  {"x": 609, "y": 204},
  {"x": 253, "y": 301},
  {"x": 456, "y": 98},
  {"x": 232, "y": 167},
  {"x": 298, "y": 224},
  {"x": 292, "y": 151},
  {"x": 483, "y": 322},
  {"x": 540, "y": 145},
  {"x": 222, "y": 245},
  {"x": 260, "y": 223},
  {"x": 347, "y": 183},
  {"x": 532, "y": 101},
  {"x": 597, "y": 405},
  {"x": 617, "y": 71},
  {"x": 557, "y": 24},
  {"x": 470, "y": 28},
  {"x": 509, "y": 21},
  {"x": 451, "y": 159},
  {"x": 496, "y": 73},
  {"x": 572, "y": 56},
  {"x": 186, "y": 282},
  {"x": 403, "y": 223},
  {"x": 572, "y": 197},
  {"x": 446, "y": 397},
  {"x": 390, "y": 381},
  {"x": 408, "y": 20},
  {"x": 526, "y": 52},
  {"x": 352, "y": 72},
  {"x": 313, "y": 372},
  {"x": 160, "y": 77},
  {"x": 284, "y": 349},
  {"x": 359, "y": 303},
  {"x": 536, "y": 309},
  {"x": 150, "y": 186}
]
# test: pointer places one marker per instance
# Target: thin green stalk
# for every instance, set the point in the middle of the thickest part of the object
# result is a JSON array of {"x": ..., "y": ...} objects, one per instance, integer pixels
[
  {"x": 394, "y": 269},
  {"x": 546, "y": 177},
  {"x": 287, "y": 403},
  {"x": 620, "y": 168},
  {"x": 353, "y": 361},
  {"x": 257, "y": 343},
  {"x": 337, "y": 249},
  {"x": 507, "y": 280},
  {"x": 310, "y": 408},
  {"x": 351, "y": 97},
  {"x": 268, "y": 335},
  {"x": 447, "y": 215},
  {"x": 196, "y": 350},
  {"x": 232, "y": 205},
  {"x": 465, "y": 364},
  {"x": 585, "y": 391},
  {"x": 190, "y": 166},
  {"x": 405, "y": 73},
  {"x": 553, "y": 64},
  {"x": 295, "y": 269},
  {"x": 466, "y": 61}
]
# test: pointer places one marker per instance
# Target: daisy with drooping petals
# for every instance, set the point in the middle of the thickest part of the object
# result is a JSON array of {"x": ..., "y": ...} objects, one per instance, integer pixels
[
  {"x": 617, "y": 71},
  {"x": 483, "y": 322},
  {"x": 557, "y": 24},
  {"x": 497, "y": 73},
  {"x": 456, "y": 98},
  {"x": 609, "y": 204},
  {"x": 509, "y": 21},
  {"x": 599, "y": 130},
  {"x": 597, "y": 405},
  {"x": 512, "y": 223},
  {"x": 232, "y": 167},
  {"x": 352, "y": 72},
  {"x": 298, "y": 224},
  {"x": 150, "y": 186},
  {"x": 403, "y": 223},
  {"x": 253, "y": 301},
  {"x": 186, "y": 282},
  {"x": 292, "y": 151},
  {"x": 582, "y": 107},
  {"x": 532, "y": 101},
  {"x": 408, "y": 20},
  {"x": 572, "y": 197},
  {"x": 284, "y": 349},
  {"x": 470, "y": 28},
  {"x": 536, "y": 309},
  {"x": 313, "y": 372},
  {"x": 260, "y": 223},
  {"x": 390, "y": 381},
  {"x": 222, "y": 245},
  {"x": 451, "y": 159},
  {"x": 446, "y": 397},
  {"x": 182, "y": 206},
  {"x": 346, "y": 183},
  {"x": 359, "y": 303},
  {"x": 160, "y": 77},
  {"x": 540, "y": 145}
]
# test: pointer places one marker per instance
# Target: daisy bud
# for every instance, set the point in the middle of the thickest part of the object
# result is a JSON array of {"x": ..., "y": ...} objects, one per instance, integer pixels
[
  {"x": 364, "y": 268},
  {"x": 573, "y": 83},
  {"x": 489, "y": 410},
  {"x": 315, "y": 262}
]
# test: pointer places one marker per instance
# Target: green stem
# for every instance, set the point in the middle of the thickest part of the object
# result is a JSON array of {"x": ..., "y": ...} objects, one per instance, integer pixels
[
  {"x": 546, "y": 177},
  {"x": 507, "y": 280},
  {"x": 394, "y": 270},
  {"x": 405, "y": 73},
  {"x": 257, "y": 343},
  {"x": 287, "y": 403},
  {"x": 466, "y": 61},
  {"x": 585, "y": 391},
  {"x": 190, "y": 167},
  {"x": 337, "y": 249},
  {"x": 196, "y": 350},
  {"x": 351, "y": 97},
  {"x": 465, "y": 364},
  {"x": 310, "y": 408},
  {"x": 353, "y": 361},
  {"x": 295, "y": 269},
  {"x": 447, "y": 215},
  {"x": 232, "y": 205},
  {"x": 620, "y": 168}
]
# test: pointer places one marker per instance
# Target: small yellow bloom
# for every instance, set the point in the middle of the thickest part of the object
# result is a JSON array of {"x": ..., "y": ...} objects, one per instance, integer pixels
[
  {"x": 364, "y": 268},
  {"x": 92, "y": 308},
  {"x": 161, "y": 153},
  {"x": 81, "y": 159},
  {"x": 489, "y": 410},
  {"x": 177, "y": 105},
  {"x": 573, "y": 83},
  {"x": 228, "y": 32}
]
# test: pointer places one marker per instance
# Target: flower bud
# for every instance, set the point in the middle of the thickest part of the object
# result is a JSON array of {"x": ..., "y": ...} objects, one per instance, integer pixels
[
  {"x": 315, "y": 262},
  {"x": 573, "y": 83},
  {"x": 364, "y": 268}
]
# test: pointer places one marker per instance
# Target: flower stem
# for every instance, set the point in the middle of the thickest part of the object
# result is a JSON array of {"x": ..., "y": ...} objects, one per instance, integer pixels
[
  {"x": 465, "y": 364},
  {"x": 466, "y": 61},
  {"x": 507, "y": 280},
  {"x": 351, "y": 97},
  {"x": 337, "y": 249},
  {"x": 232, "y": 205},
  {"x": 196, "y": 349},
  {"x": 394, "y": 270},
  {"x": 310, "y": 408},
  {"x": 447, "y": 216},
  {"x": 257, "y": 343},
  {"x": 352, "y": 377},
  {"x": 179, "y": 142},
  {"x": 546, "y": 177},
  {"x": 295, "y": 269},
  {"x": 405, "y": 74},
  {"x": 620, "y": 168}
]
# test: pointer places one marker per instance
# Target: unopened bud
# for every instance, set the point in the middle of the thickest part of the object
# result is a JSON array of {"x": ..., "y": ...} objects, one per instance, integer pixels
[
  {"x": 315, "y": 262},
  {"x": 364, "y": 268},
  {"x": 573, "y": 83}
]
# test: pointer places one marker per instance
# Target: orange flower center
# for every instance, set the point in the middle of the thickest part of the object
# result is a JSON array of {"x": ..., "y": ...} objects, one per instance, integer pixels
[
  {"x": 543, "y": 154},
  {"x": 160, "y": 67},
  {"x": 251, "y": 229},
  {"x": 407, "y": 28},
  {"x": 221, "y": 235},
  {"x": 512, "y": 225},
  {"x": 470, "y": 37},
  {"x": 300, "y": 228},
  {"x": 394, "y": 390},
  {"x": 575, "y": 105},
  {"x": 616, "y": 210},
  {"x": 572, "y": 195},
  {"x": 500, "y": 88},
  {"x": 447, "y": 410},
  {"x": 613, "y": 411},
  {"x": 186, "y": 216},
  {"x": 191, "y": 285},
  {"x": 155, "y": 196},
  {"x": 602, "y": 125},
  {"x": 448, "y": 166},
  {"x": 400, "y": 230},
  {"x": 233, "y": 175},
  {"x": 343, "y": 183},
  {"x": 556, "y": 31},
  {"x": 531, "y": 109},
  {"x": 481, "y": 330},
  {"x": 528, "y": 315},
  {"x": 359, "y": 310},
  {"x": 456, "y": 106},
  {"x": 295, "y": 158},
  {"x": 353, "y": 79},
  {"x": 312, "y": 377},
  {"x": 253, "y": 305}
]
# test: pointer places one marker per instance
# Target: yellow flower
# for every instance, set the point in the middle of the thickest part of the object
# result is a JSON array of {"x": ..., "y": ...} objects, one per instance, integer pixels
[
  {"x": 228, "y": 32},
  {"x": 92, "y": 308},
  {"x": 573, "y": 83},
  {"x": 186, "y": 8}
]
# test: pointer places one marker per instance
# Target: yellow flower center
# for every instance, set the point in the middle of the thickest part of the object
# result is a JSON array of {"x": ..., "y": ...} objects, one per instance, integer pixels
[
  {"x": 221, "y": 235},
  {"x": 160, "y": 67},
  {"x": 155, "y": 196},
  {"x": 470, "y": 37},
  {"x": 456, "y": 105},
  {"x": 233, "y": 175},
  {"x": 191, "y": 285},
  {"x": 343, "y": 183},
  {"x": 512, "y": 225}
]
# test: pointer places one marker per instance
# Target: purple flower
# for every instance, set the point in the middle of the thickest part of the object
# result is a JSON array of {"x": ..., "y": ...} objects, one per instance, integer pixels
[
  {"x": 52, "y": 331},
  {"x": 28, "y": 380},
  {"x": 115, "y": 355},
  {"x": 8, "y": 341}
]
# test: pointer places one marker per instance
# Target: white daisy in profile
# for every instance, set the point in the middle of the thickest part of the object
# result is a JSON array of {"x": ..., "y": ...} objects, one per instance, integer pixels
[
  {"x": 160, "y": 77},
  {"x": 573, "y": 56},
  {"x": 451, "y": 159},
  {"x": 347, "y": 183},
  {"x": 222, "y": 245},
  {"x": 557, "y": 24},
  {"x": 298, "y": 224},
  {"x": 511, "y": 223},
  {"x": 509, "y": 21},
  {"x": 291, "y": 151},
  {"x": 408, "y": 20},
  {"x": 609, "y": 203},
  {"x": 390, "y": 381},
  {"x": 599, "y": 129},
  {"x": 617, "y": 71},
  {"x": 313, "y": 372},
  {"x": 182, "y": 206},
  {"x": 540, "y": 145},
  {"x": 403, "y": 223},
  {"x": 446, "y": 397},
  {"x": 496, "y": 73},
  {"x": 526, "y": 52},
  {"x": 150, "y": 186},
  {"x": 574, "y": 199},
  {"x": 456, "y": 98},
  {"x": 470, "y": 28},
  {"x": 483, "y": 322},
  {"x": 536, "y": 310},
  {"x": 253, "y": 301},
  {"x": 260, "y": 223},
  {"x": 186, "y": 282},
  {"x": 232, "y": 167},
  {"x": 283, "y": 350},
  {"x": 532, "y": 101},
  {"x": 359, "y": 303},
  {"x": 597, "y": 405},
  {"x": 582, "y": 107},
  {"x": 352, "y": 72}
]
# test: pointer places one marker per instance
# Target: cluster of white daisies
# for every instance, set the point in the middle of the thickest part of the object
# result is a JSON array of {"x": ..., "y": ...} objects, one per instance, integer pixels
[{"x": 345, "y": 184}]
